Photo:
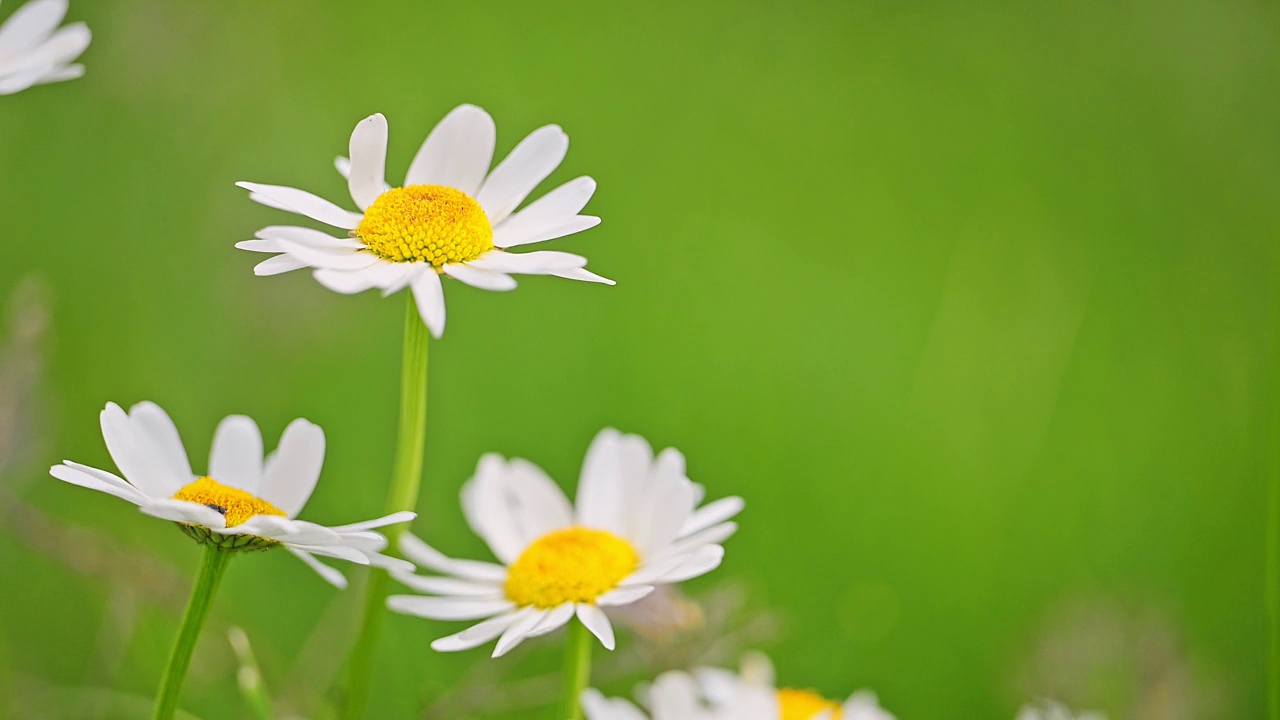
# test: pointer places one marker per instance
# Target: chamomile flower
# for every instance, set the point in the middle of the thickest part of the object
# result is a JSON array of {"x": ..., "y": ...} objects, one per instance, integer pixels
[
  {"x": 634, "y": 525},
  {"x": 1050, "y": 710},
  {"x": 678, "y": 695},
  {"x": 723, "y": 688},
  {"x": 244, "y": 502},
  {"x": 452, "y": 216},
  {"x": 34, "y": 51}
]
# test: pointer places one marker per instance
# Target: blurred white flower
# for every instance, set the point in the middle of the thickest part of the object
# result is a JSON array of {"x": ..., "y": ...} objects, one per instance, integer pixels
[
  {"x": 679, "y": 696},
  {"x": 452, "y": 216},
  {"x": 1050, "y": 710},
  {"x": 244, "y": 502},
  {"x": 34, "y": 51},
  {"x": 723, "y": 688},
  {"x": 635, "y": 525}
]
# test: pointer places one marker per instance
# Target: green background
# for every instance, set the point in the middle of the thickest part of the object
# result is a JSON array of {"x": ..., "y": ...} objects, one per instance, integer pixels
[{"x": 972, "y": 302}]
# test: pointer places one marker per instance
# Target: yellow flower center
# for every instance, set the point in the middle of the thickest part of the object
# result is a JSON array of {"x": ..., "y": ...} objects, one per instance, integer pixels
[
  {"x": 804, "y": 704},
  {"x": 426, "y": 223},
  {"x": 574, "y": 564},
  {"x": 236, "y": 505}
]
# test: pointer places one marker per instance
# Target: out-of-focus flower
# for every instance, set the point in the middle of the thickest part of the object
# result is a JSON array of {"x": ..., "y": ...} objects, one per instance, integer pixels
[
  {"x": 244, "y": 502},
  {"x": 1050, "y": 710},
  {"x": 679, "y": 696},
  {"x": 34, "y": 50},
  {"x": 634, "y": 525},
  {"x": 451, "y": 217},
  {"x": 723, "y": 688}
]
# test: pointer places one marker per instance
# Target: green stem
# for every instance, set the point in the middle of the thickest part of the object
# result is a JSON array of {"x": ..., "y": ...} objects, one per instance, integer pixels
[
  {"x": 577, "y": 670},
  {"x": 212, "y": 566},
  {"x": 1273, "y": 504},
  {"x": 402, "y": 495}
]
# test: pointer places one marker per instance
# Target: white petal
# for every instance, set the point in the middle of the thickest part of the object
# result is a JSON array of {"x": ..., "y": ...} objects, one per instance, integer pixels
[
  {"x": 510, "y": 235},
  {"x": 479, "y": 633},
  {"x": 542, "y": 262},
  {"x": 19, "y": 81},
  {"x": 598, "y": 707},
  {"x": 551, "y": 209},
  {"x": 584, "y": 275},
  {"x": 293, "y": 469},
  {"x": 598, "y": 623},
  {"x": 713, "y": 535},
  {"x": 518, "y": 631},
  {"x": 367, "y": 176},
  {"x": 310, "y": 237},
  {"x": 711, "y": 514},
  {"x": 304, "y": 203},
  {"x": 146, "y": 447},
  {"x": 447, "y": 608},
  {"x": 482, "y": 279},
  {"x": 392, "y": 519},
  {"x": 553, "y": 620},
  {"x": 343, "y": 166},
  {"x": 342, "y": 259},
  {"x": 297, "y": 532},
  {"x": 703, "y": 561},
  {"x": 449, "y": 586},
  {"x": 331, "y": 575},
  {"x": 428, "y": 294},
  {"x": 185, "y": 512},
  {"x": 30, "y": 25},
  {"x": 457, "y": 153},
  {"x": 96, "y": 479},
  {"x": 520, "y": 172},
  {"x": 511, "y": 504},
  {"x": 70, "y": 72},
  {"x": 277, "y": 265},
  {"x": 260, "y": 245},
  {"x": 428, "y": 557},
  {"x": 54, "y": 53},
  {"x": 346, "y": 282},
  {"x": 624, "y": 595},
  {"x": 340, "y": 552},
  {"x": 236, "y": 456},
  {"x": 670, "y": 504}
]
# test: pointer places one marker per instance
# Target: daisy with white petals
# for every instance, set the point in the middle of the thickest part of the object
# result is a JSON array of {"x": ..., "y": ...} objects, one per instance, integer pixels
[
  {"x": 724, "y": 689},
  {"x": 244, "y": 502},
  {"x": 34, "y": 50},
  {"x": 634, "y": 525},
  {"x": 452, "y": 216}
]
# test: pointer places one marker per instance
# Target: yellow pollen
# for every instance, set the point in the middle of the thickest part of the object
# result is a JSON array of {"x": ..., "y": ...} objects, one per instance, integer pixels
[
  {"x": 236, "y": 505},
  {"x": 574, "y": 564},
  {"x": 804, "y": 704},
  {"x": 426, "y": 223}
]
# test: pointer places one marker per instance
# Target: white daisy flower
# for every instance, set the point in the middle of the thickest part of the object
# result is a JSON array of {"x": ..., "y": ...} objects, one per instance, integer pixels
[
  {"x": 1050, "y": 710},
  {"x": 723, "y": 688},
  {"x": 34, "y": 51},
  {"x": 635, "y": 525},
  {"x": 451, "y": 217},
  {"x": 679, "y": 696},
  {"x": 244, "y": 502}
]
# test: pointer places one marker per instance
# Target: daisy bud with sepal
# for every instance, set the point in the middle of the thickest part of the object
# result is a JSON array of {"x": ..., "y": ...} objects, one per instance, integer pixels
[
  {"x": 35, "y": 51},
  {"x": 245, "y": 501},
  {"x": 452, "y": 217},
  {"x": 635, "y": 524}
]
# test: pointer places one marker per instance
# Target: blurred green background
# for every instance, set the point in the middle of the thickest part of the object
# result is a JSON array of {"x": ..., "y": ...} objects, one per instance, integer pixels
[{"x": 972, "y": 302}]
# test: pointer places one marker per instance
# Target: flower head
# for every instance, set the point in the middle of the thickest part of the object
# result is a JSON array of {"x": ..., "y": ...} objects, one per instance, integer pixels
[
  {"x": 452, "y": 217},
  {"x": 634, "y": 525},
  {"x": 34, "y": 51},
  {"x": 714, "y": 694},
  {"x": 244, "y": 502}
]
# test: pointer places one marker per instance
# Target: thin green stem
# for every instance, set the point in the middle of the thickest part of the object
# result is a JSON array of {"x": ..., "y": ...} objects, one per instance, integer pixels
[
  {"x": 212, "y": 566},
  {"x": 577, "y": 670},
  {"x": 406, "y": 476}
]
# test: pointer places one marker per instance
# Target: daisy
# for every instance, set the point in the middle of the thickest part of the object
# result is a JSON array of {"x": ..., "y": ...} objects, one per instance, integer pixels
[
  {"x": 33, "y": 51},
  {"x": 451, "y": 217},
  {"x": 634, "y": 525},
  {"x": 244, "y": 502},
  {"x": 723, "y": 688},
  {"x": 1050, "y": 710},
  {"x": 678, "y": 695}
]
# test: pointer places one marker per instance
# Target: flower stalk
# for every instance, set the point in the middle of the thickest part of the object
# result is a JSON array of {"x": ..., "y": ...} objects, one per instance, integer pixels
[
  {"x": 577, "y": 670},
  {"x": 212, "y": 566},
  {"x": 402, "y": 495}
]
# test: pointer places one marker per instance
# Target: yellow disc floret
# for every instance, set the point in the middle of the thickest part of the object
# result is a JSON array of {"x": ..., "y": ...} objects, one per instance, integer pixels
[
  {"x": 804, "y": 705},
  {"x": 574, "y": 564},
  {"x": 426, "y": 223},
  {"x": 234, "y": 504}
]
